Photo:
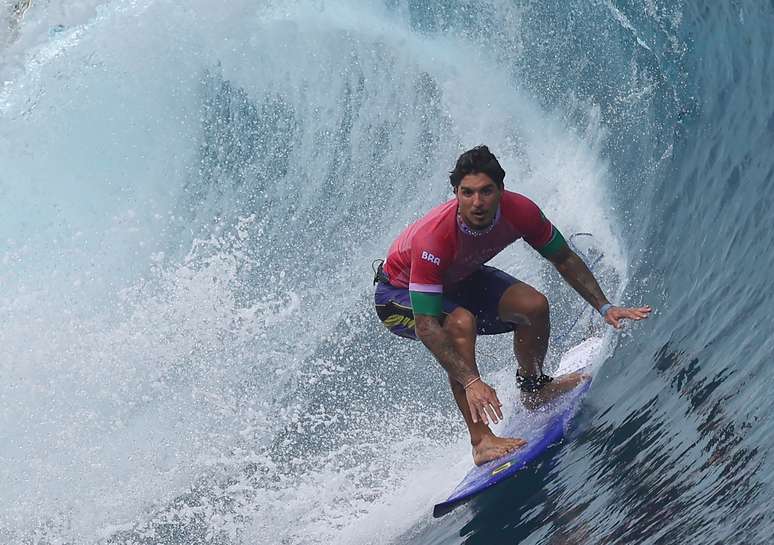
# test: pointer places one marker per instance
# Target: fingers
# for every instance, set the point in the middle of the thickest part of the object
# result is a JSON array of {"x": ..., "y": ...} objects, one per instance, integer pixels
[
  {"x": 496, "y": 407},
  {"x": 616, "y": 314},
  {"x": 490, "y": 410},
  {"x": 473, "y": 407},
  {"x": 612, "y": 320},
  {"x": 474, "y": 413},
  {"x": 636, "y": 313},
  {"x": 484, "y": 411},
  {"x": 484, "y": 405},
  {"x": 492, "y": 406}
]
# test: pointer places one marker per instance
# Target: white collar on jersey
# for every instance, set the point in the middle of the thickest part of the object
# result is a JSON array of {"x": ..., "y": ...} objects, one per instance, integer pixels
[{"x": 474, "y": 232}]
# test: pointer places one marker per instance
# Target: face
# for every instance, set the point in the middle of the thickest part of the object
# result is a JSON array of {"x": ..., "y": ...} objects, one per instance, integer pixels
[{"x": 478, "y": 198}]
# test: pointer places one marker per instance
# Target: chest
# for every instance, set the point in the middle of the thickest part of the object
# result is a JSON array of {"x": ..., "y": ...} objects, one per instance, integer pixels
[{"x": 474, "y": 251}]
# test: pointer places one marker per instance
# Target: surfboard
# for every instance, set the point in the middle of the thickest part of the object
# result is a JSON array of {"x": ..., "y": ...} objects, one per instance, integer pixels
[{"x": 542, "y": 429}]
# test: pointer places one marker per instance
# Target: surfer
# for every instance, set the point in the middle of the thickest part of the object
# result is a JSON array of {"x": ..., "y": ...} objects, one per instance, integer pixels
[{"x": 434, "y": 286}]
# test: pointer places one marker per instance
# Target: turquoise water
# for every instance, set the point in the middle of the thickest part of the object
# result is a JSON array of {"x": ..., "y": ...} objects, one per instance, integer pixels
[{"x": 190, "y": 200}]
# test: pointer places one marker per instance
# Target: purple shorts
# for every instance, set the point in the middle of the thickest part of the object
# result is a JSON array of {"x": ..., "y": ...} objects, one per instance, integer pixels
[{"x": 479, "y": 293}]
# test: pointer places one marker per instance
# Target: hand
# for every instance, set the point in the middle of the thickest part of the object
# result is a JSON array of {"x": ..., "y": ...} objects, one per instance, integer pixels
[
  {"x": 483, "y": 402},
  {"x": 615, "y": 314}
]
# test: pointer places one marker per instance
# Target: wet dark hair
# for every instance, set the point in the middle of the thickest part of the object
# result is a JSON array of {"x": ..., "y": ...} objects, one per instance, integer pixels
[{"x": 477, "y": 161}]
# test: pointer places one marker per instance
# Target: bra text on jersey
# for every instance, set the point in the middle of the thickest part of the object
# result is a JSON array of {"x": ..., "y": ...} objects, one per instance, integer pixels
[{"x": 431, "y": 258}]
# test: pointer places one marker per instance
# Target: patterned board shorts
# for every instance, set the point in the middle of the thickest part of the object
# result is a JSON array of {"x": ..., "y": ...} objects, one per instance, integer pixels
[{"x": 479, "y": 293}]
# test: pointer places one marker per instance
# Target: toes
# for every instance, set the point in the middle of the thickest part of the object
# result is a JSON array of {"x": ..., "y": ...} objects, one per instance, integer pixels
[{"x": 496, "y": 453}]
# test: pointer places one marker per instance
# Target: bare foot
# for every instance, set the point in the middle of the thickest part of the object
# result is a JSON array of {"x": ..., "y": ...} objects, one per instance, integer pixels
[
  {"x": 552, "y": 390},
  {"x": 492, "y": 447}
]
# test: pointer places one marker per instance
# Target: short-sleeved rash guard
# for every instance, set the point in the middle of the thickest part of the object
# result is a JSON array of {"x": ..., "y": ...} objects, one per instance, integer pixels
[{"x": 439, "y": 250}]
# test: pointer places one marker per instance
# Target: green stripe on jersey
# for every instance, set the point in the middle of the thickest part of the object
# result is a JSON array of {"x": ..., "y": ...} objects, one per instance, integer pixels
[
  {"x": 554, "y": 245},
  {"x": 430, "y": 304}
]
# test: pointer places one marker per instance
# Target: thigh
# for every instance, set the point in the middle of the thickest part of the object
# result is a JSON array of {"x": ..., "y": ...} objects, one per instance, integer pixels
[
  {"x": 521, "y": 301},
  {"x": 480, "y": 293}
]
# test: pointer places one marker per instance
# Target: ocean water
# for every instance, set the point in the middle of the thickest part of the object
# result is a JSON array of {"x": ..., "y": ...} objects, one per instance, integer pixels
[{"x": 191, "y": 195}]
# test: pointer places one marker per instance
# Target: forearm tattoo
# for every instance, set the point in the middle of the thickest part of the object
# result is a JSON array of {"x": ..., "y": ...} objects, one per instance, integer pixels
[
  {"x": 438, "y": 342},
  {"x": 578, "y": 275}
]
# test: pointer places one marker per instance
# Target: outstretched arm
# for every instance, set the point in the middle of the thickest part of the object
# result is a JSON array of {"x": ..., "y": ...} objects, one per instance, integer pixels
[{"x": 577, "y": 274}]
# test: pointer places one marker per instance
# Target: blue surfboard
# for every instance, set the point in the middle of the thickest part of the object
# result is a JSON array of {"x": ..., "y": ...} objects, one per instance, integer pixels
[{"x": 545, "y": 428}]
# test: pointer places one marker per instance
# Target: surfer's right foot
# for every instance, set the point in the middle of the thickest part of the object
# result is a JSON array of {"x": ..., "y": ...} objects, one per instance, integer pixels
[
  {"x": 551, "y": 390},
  {"x": 491, "y": 447}
]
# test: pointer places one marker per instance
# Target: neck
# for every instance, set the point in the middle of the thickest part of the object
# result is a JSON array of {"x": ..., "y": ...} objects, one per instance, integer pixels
[{"x": 472, "y": 231}]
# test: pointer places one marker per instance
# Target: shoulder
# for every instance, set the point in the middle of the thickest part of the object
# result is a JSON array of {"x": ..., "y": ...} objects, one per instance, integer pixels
[
  {"x": 437, "y": 229},
  {"x": 518, "y": 208}
]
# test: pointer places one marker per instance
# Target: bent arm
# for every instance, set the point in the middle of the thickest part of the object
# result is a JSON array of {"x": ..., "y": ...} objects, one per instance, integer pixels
[
  {"x": 577, "y": 274},
  {"x": 437, "y": 340}
]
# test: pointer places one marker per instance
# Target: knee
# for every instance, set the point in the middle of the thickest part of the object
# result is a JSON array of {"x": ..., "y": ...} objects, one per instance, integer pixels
[
  {"x": 524, "y": 306},
  {"x": 460, "y": 322},
  {"x": 536, "y": 305}
]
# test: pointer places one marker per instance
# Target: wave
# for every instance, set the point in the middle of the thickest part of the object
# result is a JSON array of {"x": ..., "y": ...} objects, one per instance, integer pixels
[{"x": 191, "y": 200}]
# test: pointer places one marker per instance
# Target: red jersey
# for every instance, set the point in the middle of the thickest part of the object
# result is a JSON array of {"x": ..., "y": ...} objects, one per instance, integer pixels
[{"x": 439, "y": 250}]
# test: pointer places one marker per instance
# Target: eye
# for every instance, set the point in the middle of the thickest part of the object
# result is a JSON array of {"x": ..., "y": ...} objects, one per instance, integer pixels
[{"x": 466, "y": 192}]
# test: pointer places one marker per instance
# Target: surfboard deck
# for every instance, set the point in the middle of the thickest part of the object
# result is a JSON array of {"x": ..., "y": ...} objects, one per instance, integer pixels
[{"x": 541, "y": 428}]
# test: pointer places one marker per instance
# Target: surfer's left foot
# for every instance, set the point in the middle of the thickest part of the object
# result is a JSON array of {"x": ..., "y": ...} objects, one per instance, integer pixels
[
  {"x": 491, "y": 447},
  {"x": 551, "y": 390}
]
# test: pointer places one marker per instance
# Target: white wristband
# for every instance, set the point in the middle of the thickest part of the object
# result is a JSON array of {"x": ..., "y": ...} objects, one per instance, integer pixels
[{"x": 604, "y": 308}]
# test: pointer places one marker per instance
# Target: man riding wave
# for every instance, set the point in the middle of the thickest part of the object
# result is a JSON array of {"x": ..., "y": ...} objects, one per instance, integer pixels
[{"x": 434, "y": 286}]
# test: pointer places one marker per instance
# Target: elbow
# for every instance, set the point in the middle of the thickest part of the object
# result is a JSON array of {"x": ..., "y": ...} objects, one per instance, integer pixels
[{"x": 424, "y": 326}]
